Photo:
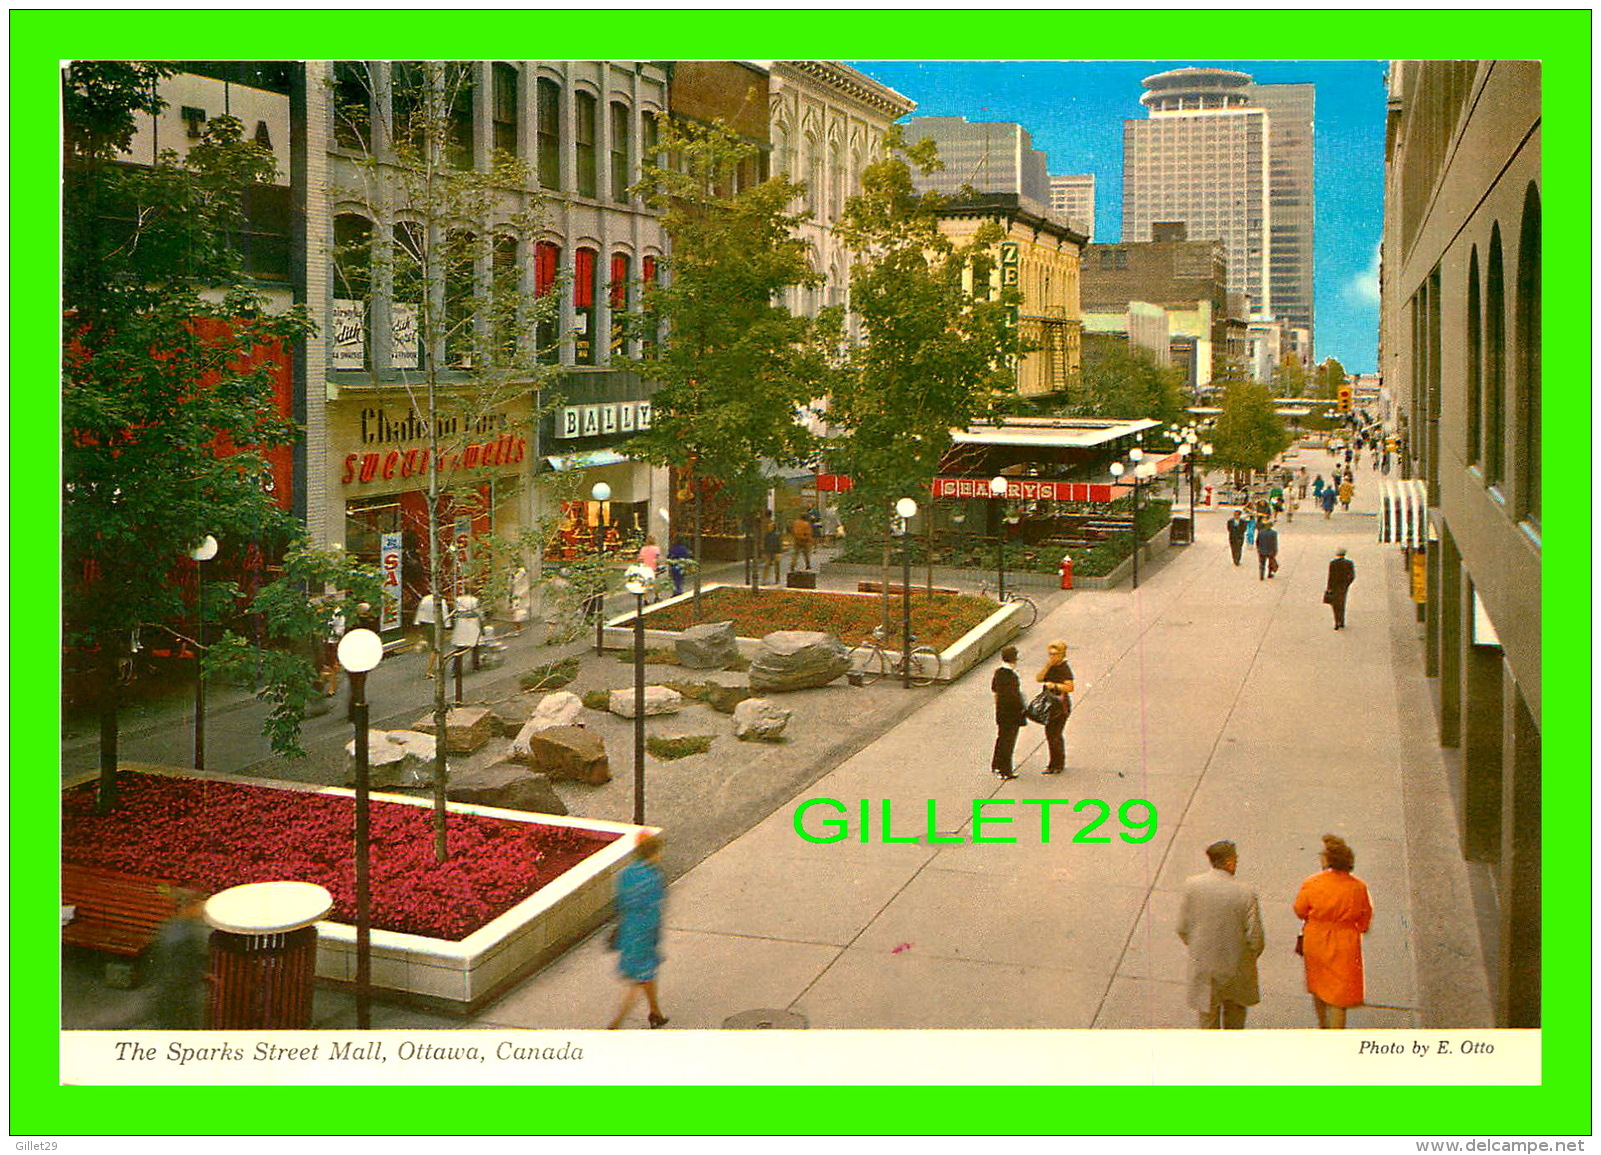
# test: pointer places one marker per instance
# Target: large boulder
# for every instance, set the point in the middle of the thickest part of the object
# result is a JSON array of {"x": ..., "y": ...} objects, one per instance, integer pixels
[
  {"x": 709, "y": 646},
  {"x": 561, "y": 708},
  {"x": 798, "y": 660},
  {"x": 760, "y": 720},
  {"x": 658, "y": 700},
  {"x": 394, "y": 758},
  {"x": 571, "y": 753},
  {"x": 466, "y": 728},
  {"x": 507, "y": 786},
  {"x": 723, "y": 699}
]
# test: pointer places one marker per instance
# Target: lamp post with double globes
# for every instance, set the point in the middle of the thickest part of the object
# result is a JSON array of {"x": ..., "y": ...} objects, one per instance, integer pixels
[
  {"x": 1140, "y": 470},
  {"x": 639, "y": 581},
  {"x": 202, "y": 553},
  {"x": 905, "y": 510},
  {"x": 360, "y": 651},
  {"x": 601, "y": 492}
]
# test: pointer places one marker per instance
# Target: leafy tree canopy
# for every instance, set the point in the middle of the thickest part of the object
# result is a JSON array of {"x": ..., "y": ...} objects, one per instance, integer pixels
[
  {"x": 1248, "y": 433},
  {"x": 1128, "y": 383}
]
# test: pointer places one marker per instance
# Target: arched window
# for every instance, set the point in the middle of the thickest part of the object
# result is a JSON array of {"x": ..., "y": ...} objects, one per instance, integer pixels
[
  {"x": 1475, "y": 366},
  {"x": 406, "y": 294},
  {"x": 547, "y": 259},
  {"x": 352, "y": 291},
  {"x": 584, "y": 271},
  {"x": 504, "y": 110},
  {"x": 617, "y": 295},
  {"x": 1494, "y": 366},
  {"x": 460, "y": 320},
  {"x": 815, "y": 191},
  {"x": 352, "y": 100},
  {"x": 547, "y": 114},
  {"x": 458, "y": 100},
  {"x": 585, "y": 132},
  {"x": 505, "y": 284},
  {"x": 620, "y": 167},
  {"x": 408, "y": 106},
  {"x": 780, "y": 148},
  {"x": 1528, "y": 356},
  {"x": 836, "y": 182},
  {"x": 648, "y": 281}
]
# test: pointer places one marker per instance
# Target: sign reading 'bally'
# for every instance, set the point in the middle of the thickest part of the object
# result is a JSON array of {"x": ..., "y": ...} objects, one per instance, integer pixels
[{"x": 601, "y": 420}]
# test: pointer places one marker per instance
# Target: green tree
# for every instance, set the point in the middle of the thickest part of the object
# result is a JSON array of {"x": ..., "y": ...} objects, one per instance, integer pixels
[
  {"x": 1128, "y": 383},
  {"x": 476, "y": 327},
  {"x": 1249, "y": 433},
  {"x": 166, "y": 404},
  {"x": 1291, "y": 379},
  {"x": 735, "y": 367},
  {"x": 933, "y": 354},
  {"x": 1328, "y": 378}
]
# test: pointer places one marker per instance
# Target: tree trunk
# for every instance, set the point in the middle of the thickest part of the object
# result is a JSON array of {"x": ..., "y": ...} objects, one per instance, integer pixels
[
  {"x": 884, "y": 585},
  {"x": 930, "y": 515},
  {"x": 110, "y": 693},
  {"x": 696, "y": 598}
]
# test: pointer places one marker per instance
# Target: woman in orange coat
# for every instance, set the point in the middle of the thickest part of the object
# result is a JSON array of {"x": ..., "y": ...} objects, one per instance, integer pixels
[{"x": 1338, "y": 912}]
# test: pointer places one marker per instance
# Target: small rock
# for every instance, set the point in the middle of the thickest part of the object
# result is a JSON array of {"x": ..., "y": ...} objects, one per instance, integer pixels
[
  {"x": 570, "y": 752},
  {"x": 658, "y": 700},
  {"x": 759, "y": 719},
  {"x": 394, "y": 758},
  {"x": 466, "y": 728},
  {"x": 723, "y": 699},
  {"x": 708, "y": 646},
  {"x": 507, "y": 786}
]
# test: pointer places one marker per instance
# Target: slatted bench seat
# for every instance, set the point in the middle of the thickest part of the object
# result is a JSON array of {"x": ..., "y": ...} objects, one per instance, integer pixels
[{"x": 118, "y": 913}]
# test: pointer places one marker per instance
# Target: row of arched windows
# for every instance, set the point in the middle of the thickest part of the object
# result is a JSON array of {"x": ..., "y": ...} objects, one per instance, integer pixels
[{"x": 380, "y": 278}]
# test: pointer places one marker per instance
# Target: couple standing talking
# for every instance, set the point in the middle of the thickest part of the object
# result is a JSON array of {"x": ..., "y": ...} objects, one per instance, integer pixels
[{"x": 1056, "y": 688}]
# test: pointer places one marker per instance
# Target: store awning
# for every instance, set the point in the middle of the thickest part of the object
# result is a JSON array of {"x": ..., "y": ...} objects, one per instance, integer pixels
[
  {"x": 586, "y": 458},
  {"x": 1052, "y": 432},
  {"x": 1404, "y": 513}
]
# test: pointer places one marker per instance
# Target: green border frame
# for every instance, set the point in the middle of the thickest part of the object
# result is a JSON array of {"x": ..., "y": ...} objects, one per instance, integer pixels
[{"x": 1561, "y": 1105}]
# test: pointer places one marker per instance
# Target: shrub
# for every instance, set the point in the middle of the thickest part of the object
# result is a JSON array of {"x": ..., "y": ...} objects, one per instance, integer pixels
[
  {"x": 693, "y": 691},
  {"x": 597, "y": 699},
  {"x": 550, "y": 677},
  {"x": 682, "y": 746}
]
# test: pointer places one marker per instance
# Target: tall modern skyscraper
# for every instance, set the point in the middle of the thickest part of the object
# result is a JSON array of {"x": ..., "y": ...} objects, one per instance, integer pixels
[
  {"x": 992, "y": 156},
  {"x": 1073, "y": 201},
  {"x": 1232, "y": 160},
  {"x": 1290, "y": 115}
]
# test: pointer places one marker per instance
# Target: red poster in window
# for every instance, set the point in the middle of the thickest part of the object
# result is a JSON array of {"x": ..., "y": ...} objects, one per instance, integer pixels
[
  {"x": 584, "y": 278},
  {"x": 546, "y": 257},
  {"x": 648, "y": 270},
  {"x": 619, "y": 280}
]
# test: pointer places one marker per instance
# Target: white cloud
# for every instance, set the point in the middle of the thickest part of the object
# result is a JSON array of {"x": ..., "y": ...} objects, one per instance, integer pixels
[{"x": 1363, "y": 288}]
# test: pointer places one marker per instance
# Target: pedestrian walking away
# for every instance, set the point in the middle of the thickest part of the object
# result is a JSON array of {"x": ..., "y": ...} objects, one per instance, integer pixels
[
  {"x": 1009, "y": 716},
  {"x": 772, "y": 551},
  {"x": 1220, "y": 923},
  {"x": 800, "y": 532},
  {"x": 1342, "y": 572},
  {"x": 650, "y": 553},
  {"x": 1327, "y": 501},
  {"x": 1250, "y": 527},
  {"x": 676, "y": 557},
  {"x": 1267, "y": 551},
  {"x": 1236, "y": 528},
  {"x": 637, "y": 939},
  {"x": 431, "y": 609},
  {"x": 1317, "y": 487},
  {"x": 1347, "y": 491},
  {"x": 1057, "y": 678},
  {"x": 1301, "y": 483},
  {"x": 1337, "y": 912}
]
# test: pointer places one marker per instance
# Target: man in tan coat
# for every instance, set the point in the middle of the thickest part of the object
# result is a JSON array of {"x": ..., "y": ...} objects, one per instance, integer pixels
[{"x": 1220, "y": 922}]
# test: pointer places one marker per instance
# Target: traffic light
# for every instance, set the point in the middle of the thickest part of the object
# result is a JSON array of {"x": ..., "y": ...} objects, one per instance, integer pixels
[{"x": 1345, "y": 399}]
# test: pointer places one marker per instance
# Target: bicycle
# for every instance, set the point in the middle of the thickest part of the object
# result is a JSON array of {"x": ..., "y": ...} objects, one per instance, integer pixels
[
  {"x": 871, "y": 661},
  {"x": 1028, "y": 614}
]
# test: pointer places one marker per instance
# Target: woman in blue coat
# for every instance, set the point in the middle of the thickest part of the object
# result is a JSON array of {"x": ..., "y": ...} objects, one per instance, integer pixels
[{"x": 640, "y": 889}]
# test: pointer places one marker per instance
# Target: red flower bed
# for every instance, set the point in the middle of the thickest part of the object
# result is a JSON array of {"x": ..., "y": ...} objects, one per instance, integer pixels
[
  {"x": 212, "y": 835},
  {"x": 937, "y": 621}
]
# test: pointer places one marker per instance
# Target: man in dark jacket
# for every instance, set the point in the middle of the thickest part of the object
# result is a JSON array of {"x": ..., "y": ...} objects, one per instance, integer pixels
[
  {"x": 1267, "y": 551},
  {"x": 1342, "y": 572},
  {"x": 1009, "y": 719},
  {"x": 1237, "y": 534}
]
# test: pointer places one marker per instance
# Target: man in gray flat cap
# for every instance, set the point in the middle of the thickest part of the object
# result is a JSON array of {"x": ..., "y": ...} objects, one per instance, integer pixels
[{"x": 1220, "y": 921}]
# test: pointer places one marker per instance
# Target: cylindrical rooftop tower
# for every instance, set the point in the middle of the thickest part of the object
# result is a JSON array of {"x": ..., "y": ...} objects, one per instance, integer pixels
[{"x": 1189, "y": 89}]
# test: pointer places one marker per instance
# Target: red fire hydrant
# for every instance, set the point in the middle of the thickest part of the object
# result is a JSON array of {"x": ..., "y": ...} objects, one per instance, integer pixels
[{"x": 1067, "y": 572}]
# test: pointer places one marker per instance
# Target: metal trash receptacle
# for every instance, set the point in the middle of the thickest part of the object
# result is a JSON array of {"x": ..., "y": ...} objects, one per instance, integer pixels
[
  {"x": 264, "y": 955},
  {"x": 801, "y": 579},
  {"x": 1182, "y": 531}
]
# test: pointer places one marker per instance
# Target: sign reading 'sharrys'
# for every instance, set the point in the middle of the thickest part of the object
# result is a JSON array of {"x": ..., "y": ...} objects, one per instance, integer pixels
[
  {"x": 398, "y": 446},
  {"x": 1030, "y": 489},
  {"x": 598, "y": 420}
]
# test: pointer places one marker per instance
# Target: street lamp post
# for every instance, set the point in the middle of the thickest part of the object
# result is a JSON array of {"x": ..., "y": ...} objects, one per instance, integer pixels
[
  {"x": 600, "y": 492},
  {"x": 360, "y": 652},
  {"x": 1141, "y": 470},
  {"x": 998, "y": 490},
  {"x": 202, "y": 553},
  {"x": 640, "y": 579},
  {"x": 906, "y": 509}
]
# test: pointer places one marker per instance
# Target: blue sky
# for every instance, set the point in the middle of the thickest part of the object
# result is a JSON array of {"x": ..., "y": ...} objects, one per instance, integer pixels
[{"x": 1075, "y": 113}]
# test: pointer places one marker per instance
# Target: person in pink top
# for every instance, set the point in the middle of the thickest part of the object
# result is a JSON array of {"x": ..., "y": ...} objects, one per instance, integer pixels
[{"x": 650, "y": 553}]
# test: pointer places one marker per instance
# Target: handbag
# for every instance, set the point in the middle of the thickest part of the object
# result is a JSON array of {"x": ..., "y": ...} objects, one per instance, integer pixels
[
  {"x": 1040, "y": 707},
  {"x": 1300, "y": 943},
  {"x": 1328, "y": 597}
]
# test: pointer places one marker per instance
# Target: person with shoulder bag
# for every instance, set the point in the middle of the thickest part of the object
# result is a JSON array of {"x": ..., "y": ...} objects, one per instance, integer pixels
[{"x": 1056, "y": 680}]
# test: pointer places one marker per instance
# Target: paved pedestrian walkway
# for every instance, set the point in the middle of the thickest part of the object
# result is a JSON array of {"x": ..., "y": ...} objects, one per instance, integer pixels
[{"x": 1228, "y": 702}]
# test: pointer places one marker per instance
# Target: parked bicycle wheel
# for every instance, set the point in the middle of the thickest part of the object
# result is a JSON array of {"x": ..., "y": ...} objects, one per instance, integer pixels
[
  {"x": 870, "y": 662},
  {"x": 925, "y": 665},
  {"x": 1029, "y": 613}
]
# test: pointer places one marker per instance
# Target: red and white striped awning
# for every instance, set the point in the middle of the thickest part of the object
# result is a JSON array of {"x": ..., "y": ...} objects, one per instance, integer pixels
[{"x": 1404, "y": 513}]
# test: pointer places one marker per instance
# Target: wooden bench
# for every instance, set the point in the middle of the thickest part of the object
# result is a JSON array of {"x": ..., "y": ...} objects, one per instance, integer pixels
[
  {"x": 118, "y": 913},
  {"x": 870, "y": 587}
]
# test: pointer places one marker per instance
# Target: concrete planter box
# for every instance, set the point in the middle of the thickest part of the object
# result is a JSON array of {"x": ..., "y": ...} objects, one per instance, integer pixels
[
  {"x": 469, "y": 973},
  {"x": 962, "y": 655},
  {"x": 946, "y": 576},
  {"x": 1154, "y": 549}
]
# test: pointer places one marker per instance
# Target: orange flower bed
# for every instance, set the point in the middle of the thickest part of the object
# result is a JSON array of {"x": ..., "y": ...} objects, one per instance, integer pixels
[{"x": 937, "y": 621}]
